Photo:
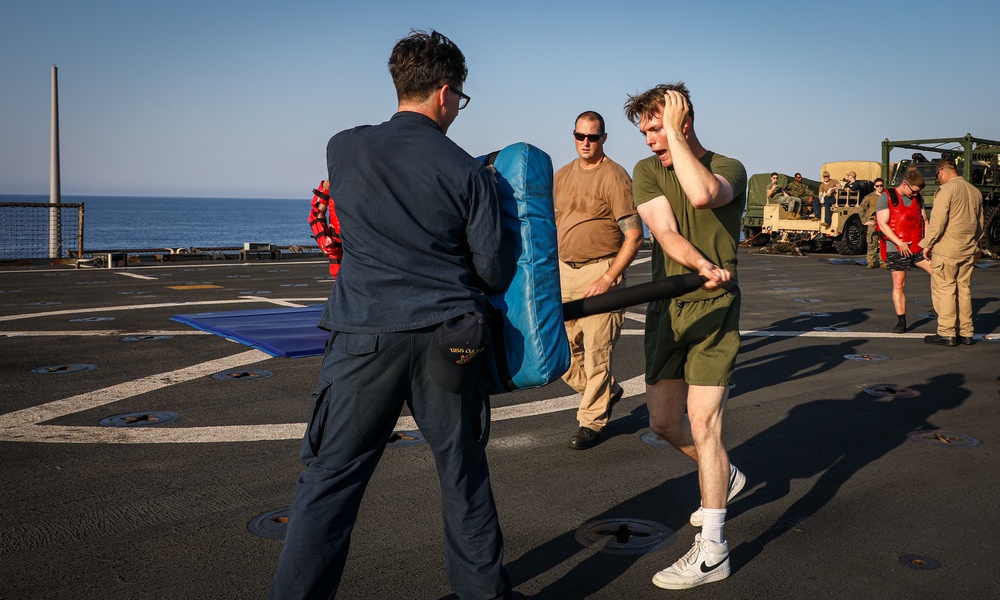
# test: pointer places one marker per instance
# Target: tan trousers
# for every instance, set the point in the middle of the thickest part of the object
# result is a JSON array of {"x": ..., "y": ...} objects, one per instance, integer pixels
[
  {"x": 951, "y": 293},
  {"x": 591, "y": 340}
]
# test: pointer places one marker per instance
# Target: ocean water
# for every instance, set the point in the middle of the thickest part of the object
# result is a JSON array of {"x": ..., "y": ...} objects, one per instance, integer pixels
[{"x": 121, "y": 222}]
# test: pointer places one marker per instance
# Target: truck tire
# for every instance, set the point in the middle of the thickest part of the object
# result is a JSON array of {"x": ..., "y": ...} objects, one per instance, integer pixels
[
  {"x": 854, "y": 240},
  {"x": 991, "y": 232}
]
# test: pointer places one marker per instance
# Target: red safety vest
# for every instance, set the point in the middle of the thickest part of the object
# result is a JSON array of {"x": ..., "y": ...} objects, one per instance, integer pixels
[
  {"x": 326, "y": 226},
  {"x": 906, "y": 221}
]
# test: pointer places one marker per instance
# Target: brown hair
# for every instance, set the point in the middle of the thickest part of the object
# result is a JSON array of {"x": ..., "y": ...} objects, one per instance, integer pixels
[
  {"x": 947, "y": 163},
  {"x": 913, "y": 178},
  {"x": 422, "y": 62},
  {"x": 650, "y": 102}
]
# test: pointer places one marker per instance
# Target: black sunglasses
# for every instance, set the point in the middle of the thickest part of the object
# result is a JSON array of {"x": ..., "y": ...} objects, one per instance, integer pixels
[{"x": 593, "y": 138}]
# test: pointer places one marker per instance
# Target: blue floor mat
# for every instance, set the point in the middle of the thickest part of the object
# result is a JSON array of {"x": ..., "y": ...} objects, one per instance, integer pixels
[{"x": 290, "y": 332}]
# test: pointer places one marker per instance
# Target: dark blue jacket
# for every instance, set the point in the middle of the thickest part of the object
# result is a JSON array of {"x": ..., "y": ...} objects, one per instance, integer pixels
[{"x": 420, "y": 222}]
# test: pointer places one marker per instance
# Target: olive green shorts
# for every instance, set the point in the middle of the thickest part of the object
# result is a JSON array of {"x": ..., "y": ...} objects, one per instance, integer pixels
[{"x": 693, "y": 341}]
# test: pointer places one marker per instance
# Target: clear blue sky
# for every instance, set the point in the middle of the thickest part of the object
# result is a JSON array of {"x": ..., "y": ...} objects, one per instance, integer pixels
[{"x": 238, "y": 99}]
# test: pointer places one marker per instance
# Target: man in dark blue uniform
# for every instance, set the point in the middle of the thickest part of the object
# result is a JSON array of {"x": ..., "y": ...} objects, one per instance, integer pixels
[{"x": 423, "y": 244}]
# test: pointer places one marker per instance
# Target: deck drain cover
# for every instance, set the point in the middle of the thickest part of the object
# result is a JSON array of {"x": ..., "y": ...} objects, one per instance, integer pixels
[
  {"x": 809, "y": 300},
  {"x": 241, "y": 375},
  {"x": 625, "y": 536},
  {"x": 787, "y": 289},
  {"x": 10, "y": 291},
  {"x": 916, "y": 561},
  {"x": 815, "y": 314},
  {"x": 140, "y": 419},
  {"x": 91, "y": 319},
  {"x": 62, "y": 369},
  {"x": 53, "y": 303},
  {"x": 834, "y": 329},
  {"x": 894, "y": 391},
  {"x": 293, "y": 285},
  {"x": 132, "y": 293},
  {"x": 654, "y": 440},
  {"x": 401, "y": 438},
  {"x": 270, "y": 525},
  {"x": 946, "y": 439},
  {"x": 146, "y": 338},
  {"x": 866, "y": 357},
  {"x": 254, "y": 292}
]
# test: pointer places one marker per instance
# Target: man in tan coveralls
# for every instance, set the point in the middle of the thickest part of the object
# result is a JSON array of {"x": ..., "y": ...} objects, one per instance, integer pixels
[
  {"x": 599, "y": 233},
  {"x": 950, "y": 242}
]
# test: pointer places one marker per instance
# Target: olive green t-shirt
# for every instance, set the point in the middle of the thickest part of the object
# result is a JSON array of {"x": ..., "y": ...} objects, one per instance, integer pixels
[{"x": 715, "y": 232}]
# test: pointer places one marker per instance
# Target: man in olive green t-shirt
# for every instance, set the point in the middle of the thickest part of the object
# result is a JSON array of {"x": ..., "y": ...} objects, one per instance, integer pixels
[{"x": 692, "y": 200}]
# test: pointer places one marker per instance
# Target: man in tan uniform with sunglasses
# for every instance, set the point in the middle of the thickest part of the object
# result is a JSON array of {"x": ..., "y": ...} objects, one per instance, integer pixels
[{"x": 599, "y": 233}]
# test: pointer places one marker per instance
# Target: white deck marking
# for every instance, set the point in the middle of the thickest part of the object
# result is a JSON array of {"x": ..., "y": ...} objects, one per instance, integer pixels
[
  {"x": 111, "y": 309},
  {"x": 26, "y": 425},
  {"x": 277, "y": 301},
  {"x": 134, "y": 275},
  {"x": 633, "y": 387},
  {"x": 102, "y": 333}
]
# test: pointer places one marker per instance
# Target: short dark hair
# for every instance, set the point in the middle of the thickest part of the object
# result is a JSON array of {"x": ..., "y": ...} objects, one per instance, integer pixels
[
  {"x": 775, "y": 174},
  {"x": 648, "y": 103},
  {"x": 878, "y": 180},
  {"x": 798, "y": 174},
  {"x": 422, "y": 62},
  {"x": 591, "y": 115}
]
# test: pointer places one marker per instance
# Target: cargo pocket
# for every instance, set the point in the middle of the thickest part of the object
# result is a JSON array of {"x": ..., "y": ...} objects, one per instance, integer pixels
[{"x": 316, "y": 425}]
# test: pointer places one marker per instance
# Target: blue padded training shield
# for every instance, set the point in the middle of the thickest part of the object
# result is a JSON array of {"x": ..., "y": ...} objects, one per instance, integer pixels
[{"x": 529, "y": 338}]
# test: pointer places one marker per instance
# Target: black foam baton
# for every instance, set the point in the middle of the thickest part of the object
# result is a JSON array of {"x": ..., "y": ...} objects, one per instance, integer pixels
[{"x": 671, "y": 287}]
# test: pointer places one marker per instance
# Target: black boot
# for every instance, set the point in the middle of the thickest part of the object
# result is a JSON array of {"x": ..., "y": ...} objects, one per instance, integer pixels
[{"x": 900, "y": 324}]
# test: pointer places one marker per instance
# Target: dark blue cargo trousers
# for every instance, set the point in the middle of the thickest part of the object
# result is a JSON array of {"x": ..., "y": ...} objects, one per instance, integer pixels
[{"x": 364, "y": 381}]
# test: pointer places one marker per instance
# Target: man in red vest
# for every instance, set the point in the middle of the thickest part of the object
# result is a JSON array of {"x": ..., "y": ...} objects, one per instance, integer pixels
[{"x": 900, "y": 216}]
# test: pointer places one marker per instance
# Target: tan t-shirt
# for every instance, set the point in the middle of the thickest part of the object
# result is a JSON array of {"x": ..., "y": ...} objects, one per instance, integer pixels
[{"x": 588, "y": 204}]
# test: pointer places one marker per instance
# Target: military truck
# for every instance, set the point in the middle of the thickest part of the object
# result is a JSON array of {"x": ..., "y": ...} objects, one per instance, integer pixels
[
  {"x": 753, "y": 218},
  {"x": 977, "y": 162},
  {"x": 845, "y": 232}
]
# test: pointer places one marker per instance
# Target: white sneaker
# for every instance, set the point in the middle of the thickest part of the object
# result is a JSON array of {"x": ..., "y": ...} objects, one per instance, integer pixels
[
  {"x": 705, "y": 562},
  {"x": 736, "y": 482}
]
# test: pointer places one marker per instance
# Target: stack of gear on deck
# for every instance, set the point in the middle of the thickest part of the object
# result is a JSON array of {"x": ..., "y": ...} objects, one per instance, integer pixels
[{"x": 326, "y": 226}]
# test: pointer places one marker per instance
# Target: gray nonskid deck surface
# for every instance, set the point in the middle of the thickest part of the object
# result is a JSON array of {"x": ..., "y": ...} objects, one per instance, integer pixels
[{"x": 839, "y": 488}]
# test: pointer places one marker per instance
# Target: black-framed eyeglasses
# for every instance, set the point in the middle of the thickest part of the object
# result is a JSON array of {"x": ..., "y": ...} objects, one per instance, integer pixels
[
  {"x": 878, "y": 185},
  {"x": 463, "y": 100},
  {"x": 593, "y": 138}
]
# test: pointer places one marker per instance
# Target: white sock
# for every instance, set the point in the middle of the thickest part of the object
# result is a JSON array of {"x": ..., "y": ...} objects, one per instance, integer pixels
[{"x": 715, "y": 520}]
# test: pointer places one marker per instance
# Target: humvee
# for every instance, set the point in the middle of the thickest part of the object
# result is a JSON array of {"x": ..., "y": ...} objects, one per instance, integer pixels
[{"x": 977, "y": 162}]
